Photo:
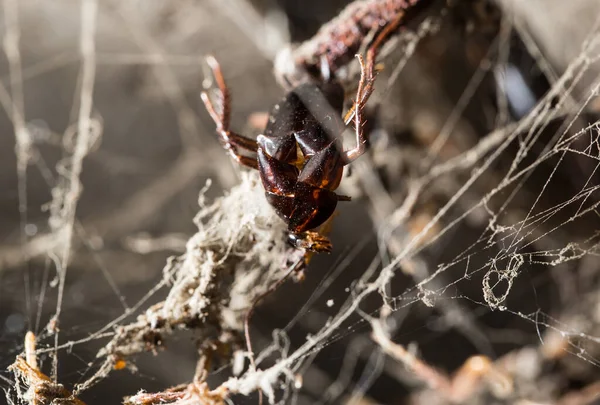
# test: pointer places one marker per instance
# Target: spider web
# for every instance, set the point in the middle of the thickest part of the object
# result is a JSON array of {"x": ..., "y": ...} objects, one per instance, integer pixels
[{"x": 467, "y": 250}]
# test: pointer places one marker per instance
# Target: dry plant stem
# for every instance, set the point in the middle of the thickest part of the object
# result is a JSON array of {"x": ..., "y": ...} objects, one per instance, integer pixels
[
  {"x": 433, "y": 378},
  {"x": 586, "y": 396},
  {"x": 30, "y": 355},
  {"x": 341, "y": 38},
  {"x": 192, "y": 394},
  {"x": 196, "y": 392},
  {"x": 40, "y": 389},
  {"x": 457, "y": 388}
]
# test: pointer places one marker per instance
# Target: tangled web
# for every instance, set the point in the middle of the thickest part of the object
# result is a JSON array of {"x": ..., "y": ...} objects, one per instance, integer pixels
[{"x": 465, "y": 268}]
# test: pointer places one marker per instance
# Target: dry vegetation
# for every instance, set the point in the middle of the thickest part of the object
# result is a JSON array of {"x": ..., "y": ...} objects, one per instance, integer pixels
[{"x": 465, "y": 270}]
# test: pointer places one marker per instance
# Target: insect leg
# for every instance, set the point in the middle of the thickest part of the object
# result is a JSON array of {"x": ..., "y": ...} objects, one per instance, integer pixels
[
  {"x": 243, "y": 160},
  {"x": 365, "y": 88},
  {"x": 221, "y": 116}
]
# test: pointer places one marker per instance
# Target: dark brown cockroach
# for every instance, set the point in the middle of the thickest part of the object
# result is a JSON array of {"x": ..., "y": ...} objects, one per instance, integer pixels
[{"x": 299, "y": 157}]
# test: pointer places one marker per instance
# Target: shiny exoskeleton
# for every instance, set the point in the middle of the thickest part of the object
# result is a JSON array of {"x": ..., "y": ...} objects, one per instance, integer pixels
[{"x": 300, "y": 156}]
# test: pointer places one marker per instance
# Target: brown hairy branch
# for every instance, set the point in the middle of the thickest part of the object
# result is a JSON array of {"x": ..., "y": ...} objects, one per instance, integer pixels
[
  {"x": 39, "y": 388},
  {"x": 338, "y": 41}
]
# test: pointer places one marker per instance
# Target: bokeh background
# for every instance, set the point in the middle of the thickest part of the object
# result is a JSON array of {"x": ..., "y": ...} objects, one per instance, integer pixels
[{"x": 158, "y": 148}]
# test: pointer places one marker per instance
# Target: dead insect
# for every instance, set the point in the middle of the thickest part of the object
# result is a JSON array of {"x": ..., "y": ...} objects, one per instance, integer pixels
[{"x": 299, "y": 157}]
